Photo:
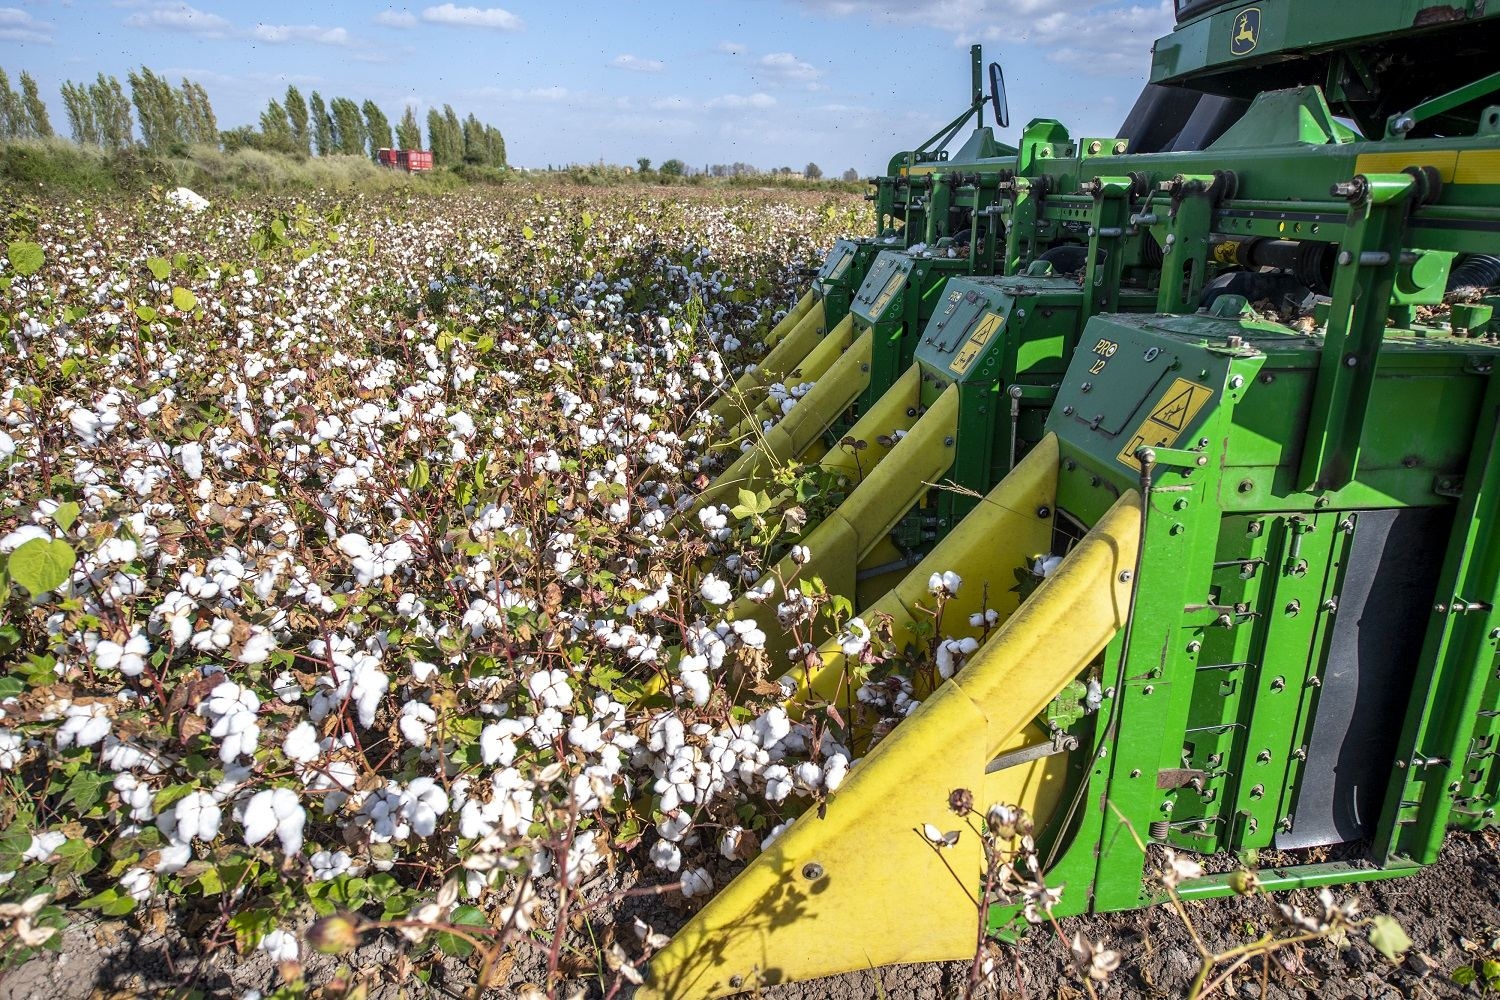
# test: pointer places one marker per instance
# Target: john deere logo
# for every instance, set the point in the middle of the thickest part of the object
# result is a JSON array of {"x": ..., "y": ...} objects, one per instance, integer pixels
[{"x": 1246, "y": 31}]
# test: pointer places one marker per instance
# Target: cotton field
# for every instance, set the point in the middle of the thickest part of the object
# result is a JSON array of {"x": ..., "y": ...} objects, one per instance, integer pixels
[{"x": 345, "y": 572}]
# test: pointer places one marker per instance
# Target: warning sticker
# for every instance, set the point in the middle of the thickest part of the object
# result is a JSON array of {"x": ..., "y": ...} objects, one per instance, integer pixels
[
  {"x": 887, "y": 293},
  {"x": 1168, "y": 418},
  {"x": 988, "y": 324},
  {"x": 841, "y": 267}
]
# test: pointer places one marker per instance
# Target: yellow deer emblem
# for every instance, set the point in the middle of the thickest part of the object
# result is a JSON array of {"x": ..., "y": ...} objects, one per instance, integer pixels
[{"x": 1246, "y": 31}]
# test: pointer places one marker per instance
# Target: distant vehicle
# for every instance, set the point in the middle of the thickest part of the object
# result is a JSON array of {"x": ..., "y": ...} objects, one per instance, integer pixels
[{"x": 411, "y": 160}]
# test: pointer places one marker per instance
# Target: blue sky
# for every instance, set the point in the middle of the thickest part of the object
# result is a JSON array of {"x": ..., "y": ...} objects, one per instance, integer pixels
[{"x": 769, "y": 82}]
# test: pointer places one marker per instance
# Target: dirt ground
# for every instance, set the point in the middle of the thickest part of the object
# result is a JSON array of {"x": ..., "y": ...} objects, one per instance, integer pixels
[{"x": 1450, "y": 910}]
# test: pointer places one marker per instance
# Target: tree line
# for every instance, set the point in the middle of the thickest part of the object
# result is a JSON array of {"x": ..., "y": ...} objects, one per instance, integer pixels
[{"x": 172, "y": 118}]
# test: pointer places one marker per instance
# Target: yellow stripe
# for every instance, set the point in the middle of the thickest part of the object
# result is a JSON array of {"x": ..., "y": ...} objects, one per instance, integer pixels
[
  {"x": 1394, "y": 163},
  {"x": 1478, "y": 166}
]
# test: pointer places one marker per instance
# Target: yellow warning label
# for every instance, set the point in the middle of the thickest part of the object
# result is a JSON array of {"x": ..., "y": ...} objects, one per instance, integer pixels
[
  {"x": 887, "y": 293},
  {"x": 1444, "y": 160},
  {"x": 841, "y": 267},
  {"x": 1477, "y": 166},
  {"x": 975, "y": 345},
  {"x": 1167, "y": 420}
]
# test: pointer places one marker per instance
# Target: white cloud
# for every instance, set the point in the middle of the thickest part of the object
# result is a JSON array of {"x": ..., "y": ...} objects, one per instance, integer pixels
[
  {"x": 637, "y": 64},
  {"x": 740, "y": 101},
  {"x": 396, "y": 19},
  {"x": 732, "y": 48},
  {"x": 473, "y": 17},
  {"x": 18, "y": 26},
  {"x": 284, "y": 33},
  {"x": 785, "y": 68},
  {"x": 181, "y": 17},
  {"x": 1097, "y": 37}
]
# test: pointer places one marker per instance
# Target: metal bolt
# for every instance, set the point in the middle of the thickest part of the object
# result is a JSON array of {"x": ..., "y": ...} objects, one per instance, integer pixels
[
  {"x": 1278, "y": 684},
  {"x": 1235, "y": 381},
  {"x": 1345, "y": 258},
  {"x": 812, "y": 871},
  {"x": 1194, "y": 646},
  {"x": 1126, "y": 576},
  {"x": 1086, "y": 387},
  {"x": 1095, "y": 146},
  {"x": 1044, "y": 512},
  {"x": 736, "y": 982},
  {"x": 1331, "y": 605},
  {"x": 1293, "y": 607},
  {"x": 1350, "y": 361},
  {"x": 1121, "y": 146},
  {"x": 1148, "y": 689},
  {"x": 1258, "y": 791},
  {"x": 1135, "y": 773},
  {"x": 1264, "y": 757},
  {"x": 1300, "y": 753}
]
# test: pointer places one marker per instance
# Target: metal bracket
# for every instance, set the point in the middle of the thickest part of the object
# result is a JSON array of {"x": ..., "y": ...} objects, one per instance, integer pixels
[{"x": 1061, "y": 743}]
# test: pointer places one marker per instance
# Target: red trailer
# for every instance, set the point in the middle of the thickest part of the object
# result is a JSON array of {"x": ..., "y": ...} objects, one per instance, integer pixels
[{"x": 410, "y": 160}]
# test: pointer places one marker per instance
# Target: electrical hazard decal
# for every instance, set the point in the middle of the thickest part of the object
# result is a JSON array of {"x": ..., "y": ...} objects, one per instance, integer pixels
[
  {"x": 1246, "y": 31},
  {"x": 1169, "y": 417},
  {"x": 975, "y": 344}
]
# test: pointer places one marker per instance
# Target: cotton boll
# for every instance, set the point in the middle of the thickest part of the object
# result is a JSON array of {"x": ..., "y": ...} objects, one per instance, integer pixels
[
  {"x": 301, "y": 744},
  {"x": 697, "y": 882},
  {"x": 280, "y": 946},
  {"x": 714, "y": 590},
  {"x": 666, "y": 855},
  {"x": 198, "y": 815}
]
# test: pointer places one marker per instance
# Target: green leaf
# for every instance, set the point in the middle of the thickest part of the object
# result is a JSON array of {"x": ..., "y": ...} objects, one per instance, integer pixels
[
  {"x": 159, "y": 267},
  {"x": 528, "y": 233},
  {"x": 184, "y": 300},
  {"x": 250, "y": 926},
  {"x": 110, "y": 902},
  {"x": 1388, "y": 937},
  {"x": 26, "y": 258},
  {"x": 1464, "y": 975},
  {"x": 41, "y": 564},
  {"x": 588, "y": 221},
  {"x": 420, "y": 475},
  {"x": 66, "y": 515}
]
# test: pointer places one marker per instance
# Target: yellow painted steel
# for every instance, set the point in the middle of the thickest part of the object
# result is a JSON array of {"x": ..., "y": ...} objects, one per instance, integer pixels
[
  {"x": 791, "y": 319},
  {"x": 800, "y": 430},
  {"x": 845, "y": 537},
  {"x": 859, "y": 886},
  {"x": 1001, "y": 534},
  {"x": 744, "y": 395},
  {"x": 810, "y": 369}
]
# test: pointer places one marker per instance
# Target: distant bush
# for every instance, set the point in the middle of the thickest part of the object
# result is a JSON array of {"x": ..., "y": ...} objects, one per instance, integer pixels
[{"x": 56, "y": 164}]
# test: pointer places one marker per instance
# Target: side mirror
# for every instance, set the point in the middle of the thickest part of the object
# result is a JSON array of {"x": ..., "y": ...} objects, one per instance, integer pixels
[{"x": 997, "y": 96}]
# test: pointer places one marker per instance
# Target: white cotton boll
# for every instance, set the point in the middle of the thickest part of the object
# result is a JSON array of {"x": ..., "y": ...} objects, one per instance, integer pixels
[
  {"x": 22, "y": 535},
  {"x": 416, "y": 717},
  {"x": 1045, "y": 566},
  {"x": 697, "y": 882},
  {"x": 136, "y": 883},
  {"x": 944, "y": 584},
  {"x": 258, "y": 645},
  {"x": 190, "y": 455},
  {"x": 173, "y": 858},
  {"x": 7, "y": 446},
  {"x": 275, "y": 810},
  {"x": 83, "y": 725},
  {"x": 778, "y": 783},
  {"x": 353, "y": 545},
  {"x": 773, "y": 833},
  {"x": 280, "y": 945},
  {"x": 45, "y": 844},
  {"x": 10, "y": 750},
  {"x": 729, "y": 842},
  {"x": 550, "y": 687},
  {"x": 666, "y": 855},
  {"x": 981, "y": 619},
  {"x": 835, "y": 769},
  {"x": 301, "y": 744},
  {"x": 695, "y": 685},
  {"x": 772, "y": 727},
  {"x": 328, "y": 865},
  {"x": 714, "y": 590},
  {"x": 801, "y": 554},
  {"x": 198, "y": 815},
  {"x": 809, "y": 775},
  {"x": 765, "y": 589},
  {"x": 855, "y": 638},
  {"x": 497, "y": 741}
]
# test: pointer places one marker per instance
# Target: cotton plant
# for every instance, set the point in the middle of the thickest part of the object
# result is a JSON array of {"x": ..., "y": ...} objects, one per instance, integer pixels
[{"x": 371, "y": 548}]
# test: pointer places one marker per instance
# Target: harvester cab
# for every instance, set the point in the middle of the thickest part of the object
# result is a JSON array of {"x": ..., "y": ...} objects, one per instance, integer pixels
[{"x": 1194, "y": 550}]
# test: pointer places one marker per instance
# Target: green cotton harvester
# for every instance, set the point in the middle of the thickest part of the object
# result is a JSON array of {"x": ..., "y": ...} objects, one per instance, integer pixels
[{"x": 1208, "y": 414}]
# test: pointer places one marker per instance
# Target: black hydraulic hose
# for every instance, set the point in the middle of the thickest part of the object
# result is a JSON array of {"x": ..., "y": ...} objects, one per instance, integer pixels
[{"x": 1474, "y": 274}]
